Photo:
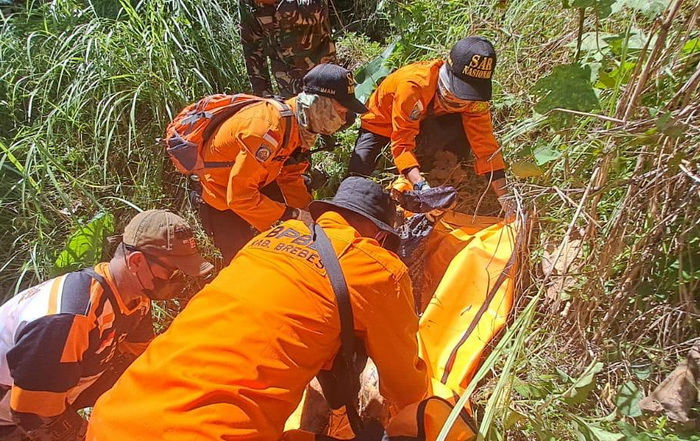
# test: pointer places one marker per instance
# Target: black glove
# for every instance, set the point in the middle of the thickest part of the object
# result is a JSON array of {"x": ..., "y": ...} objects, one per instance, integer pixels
[
  {"x": 318, "y": 178},
  {"x": 68, "y": 426},
  {"x": 328, "y": 143}
]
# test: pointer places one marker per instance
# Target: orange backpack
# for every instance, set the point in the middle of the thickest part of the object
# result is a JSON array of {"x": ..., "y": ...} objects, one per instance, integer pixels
[{"x": 187, "y": 133}]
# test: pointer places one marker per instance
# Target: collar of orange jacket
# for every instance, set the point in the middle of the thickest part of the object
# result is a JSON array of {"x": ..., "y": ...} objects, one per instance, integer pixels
[{"x": 127, "y": 301}]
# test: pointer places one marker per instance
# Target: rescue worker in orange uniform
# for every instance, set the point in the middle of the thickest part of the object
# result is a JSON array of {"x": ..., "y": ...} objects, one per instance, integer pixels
[
  {"x": 265, "y": 184},
  {"x": 450, "y": 99},
  {"x": 234, "y": 364},
  {"x": 65, "y": 341}
]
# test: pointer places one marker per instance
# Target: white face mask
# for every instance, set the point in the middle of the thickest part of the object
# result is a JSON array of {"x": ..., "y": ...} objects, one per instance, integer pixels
[{"x": 317, "y": 114}]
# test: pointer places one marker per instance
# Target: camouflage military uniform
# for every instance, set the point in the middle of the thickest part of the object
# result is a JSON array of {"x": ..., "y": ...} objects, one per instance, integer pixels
[{"x": 294, "y": 34}]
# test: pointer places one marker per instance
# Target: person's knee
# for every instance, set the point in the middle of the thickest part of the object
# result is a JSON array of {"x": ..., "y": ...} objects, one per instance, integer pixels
[{"x": 364, "y": 156}]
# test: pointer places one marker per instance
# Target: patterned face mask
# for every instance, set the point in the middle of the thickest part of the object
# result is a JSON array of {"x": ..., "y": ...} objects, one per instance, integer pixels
[
  {"x": 448, "y": 100},
  {"x": 453, "y": 104},
  {"x": 317, "y": 114}
]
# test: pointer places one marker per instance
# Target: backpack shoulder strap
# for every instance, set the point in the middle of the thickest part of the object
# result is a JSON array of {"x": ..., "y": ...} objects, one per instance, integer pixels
[
  {"x": 340, "y": 288},
  {"x": 287, "y": 113},
  {"x": 219, "y": 119},
  {"x": 343, "y": 372},
  {"x": 76, "y": 289}
]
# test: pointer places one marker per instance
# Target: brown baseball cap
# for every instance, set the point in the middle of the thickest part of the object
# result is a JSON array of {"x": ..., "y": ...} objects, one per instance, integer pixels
[{"x": 165, "y": 234}]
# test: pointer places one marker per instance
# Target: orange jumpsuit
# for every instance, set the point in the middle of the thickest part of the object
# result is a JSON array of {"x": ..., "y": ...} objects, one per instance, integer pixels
[
  {"x": 234, "y": 364},
  {"x": 252, "y": 139},
  {"x": 403, "y": 100}
]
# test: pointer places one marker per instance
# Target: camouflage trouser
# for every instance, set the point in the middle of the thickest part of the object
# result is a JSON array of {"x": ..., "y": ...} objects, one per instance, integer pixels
[{"x": 294, "y": 34}]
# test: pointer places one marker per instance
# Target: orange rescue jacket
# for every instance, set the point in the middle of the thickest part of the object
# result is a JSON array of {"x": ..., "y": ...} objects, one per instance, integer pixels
[
  {"x": 404, "y": 99},
  {"x": 59, "y": 337},
  {"x": 252, "y": 139},
  {"x": 234, "y": 364}
]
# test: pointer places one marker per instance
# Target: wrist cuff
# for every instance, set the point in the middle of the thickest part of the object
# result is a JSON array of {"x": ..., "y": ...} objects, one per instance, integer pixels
[
  {"x": 289, "y": 213},
  {"x": 496, "y": 174}
]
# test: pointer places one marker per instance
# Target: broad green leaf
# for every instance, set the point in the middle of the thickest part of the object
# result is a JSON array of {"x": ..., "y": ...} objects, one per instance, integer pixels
[
  {"x": 568, "y": 87},
  {"x": 582, "y": 387},
  {"x": 650, "y": 8},
  {"x": 564, "y": 376},
  {"x": 84, "y": 247},
  {"x": 604, "y": 435},
  {"x": 593, "y": 42},
  {"x": 369, "y": 75},
  {"x": 634, "y": 41},
  {"x": 525, "y": 169},
  {"x": 691, "y": 46},
  {"x": 605, "y": 81},
  {"x": 513, "y": 419},
  {"x": 545, "y": 154},
  {"x": 524, "y": 390},
  {"x": 530, "y": 390},
  {"x": 627, "y": 400}
]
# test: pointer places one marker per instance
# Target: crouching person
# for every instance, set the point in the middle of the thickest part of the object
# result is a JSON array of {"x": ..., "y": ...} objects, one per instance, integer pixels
[
  {"x": 65, "y": 341},
  {"x": 234, "y": 364}
]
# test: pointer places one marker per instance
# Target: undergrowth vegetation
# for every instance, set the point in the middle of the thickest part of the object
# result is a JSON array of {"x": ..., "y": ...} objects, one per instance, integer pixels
[
  {"x": 85, "y": 89},
  {"x": 596, "y": 105}
]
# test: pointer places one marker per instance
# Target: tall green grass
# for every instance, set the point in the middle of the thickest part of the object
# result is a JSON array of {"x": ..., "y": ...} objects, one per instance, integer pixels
[{"x": 85, "y": 88}]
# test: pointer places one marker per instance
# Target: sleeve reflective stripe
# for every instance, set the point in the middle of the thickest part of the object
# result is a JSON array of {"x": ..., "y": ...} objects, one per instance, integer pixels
[{"x": 42, "y": 403}]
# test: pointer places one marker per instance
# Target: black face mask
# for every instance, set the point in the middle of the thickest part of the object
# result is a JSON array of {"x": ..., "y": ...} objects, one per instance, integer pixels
[{"x": 165, "y": 289}]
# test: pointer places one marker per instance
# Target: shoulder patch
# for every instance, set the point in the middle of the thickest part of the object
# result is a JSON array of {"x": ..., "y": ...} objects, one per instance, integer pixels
[
  {"x": 416, "y": 112},
  {"x": 263, "y": 153}
]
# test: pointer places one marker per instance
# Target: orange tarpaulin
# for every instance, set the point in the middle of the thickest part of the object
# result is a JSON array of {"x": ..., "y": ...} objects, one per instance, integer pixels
[{"x": 468, "y": 290}]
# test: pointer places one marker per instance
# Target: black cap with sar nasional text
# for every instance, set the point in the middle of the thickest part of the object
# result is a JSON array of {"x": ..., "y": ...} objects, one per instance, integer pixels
[
  {"x": 471, "y": 64},
  {"x": 335, "y": 82}
]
